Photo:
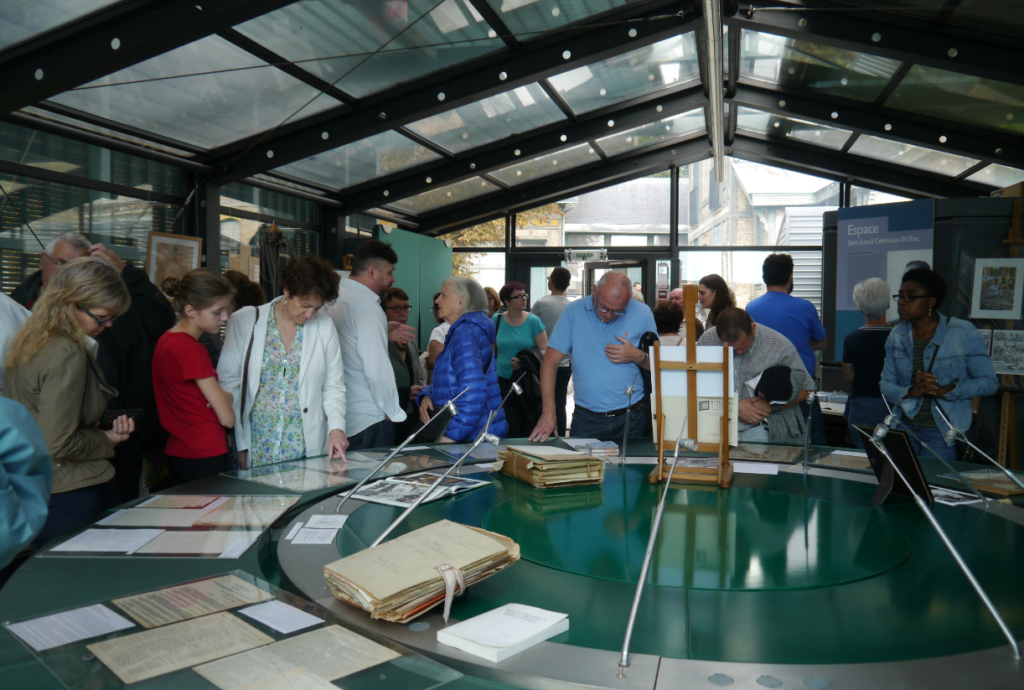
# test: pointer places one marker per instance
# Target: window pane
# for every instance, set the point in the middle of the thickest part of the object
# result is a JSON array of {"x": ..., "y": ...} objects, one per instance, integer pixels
[
  {"x": 491, "y": 119},
  {"x": 121, "y": 223},
  {"x": 998, "y": 176},
  {"x": 667, "y": 63},
  {"x": 862, "y": 196},
  {"x": 444, "y": 196},
  {"x": 230, "y": 95},
  {"x": 486, "y": 268},
  {"x": 96, "y": 129},
  {"x": 760, "y": 122},
  {"x": 755, "y": 205},
  {"x": 59, "y": 154},
  {"x": 336, "y": 40},
  {"x": 911, "y": 156},
  {"x": 262, "y": 201},
  {"x": 960, "y": 98},
  {"x": 21, "y": 20},
  {"x": 288, "y": 183},
  {"x": 998, "y": 16},
  {"x": 673, "y": 127},
  {"x": 528, "y": 18},
  {"x": 345, "y": 166},
  {"x": 553, "y": 163},
  {"x": 742, "y": 272},
  {"x": 820, "y": 68},
  {"x": 489, "y": 234}
]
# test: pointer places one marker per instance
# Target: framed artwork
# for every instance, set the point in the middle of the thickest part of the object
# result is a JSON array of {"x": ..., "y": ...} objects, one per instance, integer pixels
[
  {"x": 998, "y": 289},
  {"x": 171, "y": 255}
]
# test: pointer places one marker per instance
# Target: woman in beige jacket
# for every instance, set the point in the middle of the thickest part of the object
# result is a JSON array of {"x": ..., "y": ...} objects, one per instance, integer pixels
[{"x": 52, "y": 371}]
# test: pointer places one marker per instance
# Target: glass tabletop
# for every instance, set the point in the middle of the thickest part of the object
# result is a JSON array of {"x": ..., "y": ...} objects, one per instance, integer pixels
[
  {"x": 207, "y": 93},
  {"x": 684, "y": 124},
  {"x": 553, "y": 163},
  {"x": 445, "y": 196},
  {"x": 760, "y": 122},
  {"x": 960, "y": 98},
  {"x": 998, "y": 176},
  {"x": 527, "y": 19},
  {"x": 513, "y": 112},
  {"x": 820, "y": 68},
  {"x": 366, "y": 159},
  {"x": 911, "y": 156},
  {"x": 21, "y": 20},
  {"x": 671, "y": 62}
]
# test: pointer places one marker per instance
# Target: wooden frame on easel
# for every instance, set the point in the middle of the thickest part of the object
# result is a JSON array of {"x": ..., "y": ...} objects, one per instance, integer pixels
[{"x": 722, "y": 475}]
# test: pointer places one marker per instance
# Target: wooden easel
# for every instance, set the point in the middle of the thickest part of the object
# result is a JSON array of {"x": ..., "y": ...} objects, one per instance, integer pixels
[
  {"x": 1008, "y": 413},
  {"x": 722, "y": 475}
]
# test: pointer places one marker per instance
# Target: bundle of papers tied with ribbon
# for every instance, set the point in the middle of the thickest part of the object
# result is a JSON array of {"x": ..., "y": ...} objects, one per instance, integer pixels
[
  {"x": 546, "y": 466},
  {"x": 405, "y": 577}
]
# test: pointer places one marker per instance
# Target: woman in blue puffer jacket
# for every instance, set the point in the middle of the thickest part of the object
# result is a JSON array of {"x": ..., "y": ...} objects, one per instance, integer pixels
[
  {"x": 933, "y": 363},
  {"x": 466, "y": 362}
]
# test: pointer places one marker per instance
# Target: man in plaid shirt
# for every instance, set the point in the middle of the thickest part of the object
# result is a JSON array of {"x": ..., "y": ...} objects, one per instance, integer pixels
[{"x": 755, "y": 349}]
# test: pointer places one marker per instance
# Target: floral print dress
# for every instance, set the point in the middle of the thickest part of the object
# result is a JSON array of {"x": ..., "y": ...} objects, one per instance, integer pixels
[{"x": 276, "y": 418}]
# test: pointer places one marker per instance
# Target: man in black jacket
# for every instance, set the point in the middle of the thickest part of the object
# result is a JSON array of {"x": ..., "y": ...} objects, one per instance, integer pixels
[{"x": 125, "y": 348}]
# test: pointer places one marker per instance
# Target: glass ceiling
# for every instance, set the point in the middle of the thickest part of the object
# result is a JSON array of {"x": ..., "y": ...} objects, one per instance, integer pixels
[
  {"x": 654, "y": 133},
  {"x": 187, "y": 95},
  {"x": 528, "y": 18},
  {"x": 491, "y": 119},
  {"x": 760, "y": 122},
  {"x": 671, "y": 62},
  {"x": 445, "y": 196},
  {"x": 997, "y": 176},
  {"x": 553, "y": 163},
  {"x": 912, "y": 156},
  {"x": 21, "y": 20}
]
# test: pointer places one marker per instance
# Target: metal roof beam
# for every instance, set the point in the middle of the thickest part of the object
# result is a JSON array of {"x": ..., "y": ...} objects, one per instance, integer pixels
[
  {"x": 930, "y": 46},
  {"x": 404, "y": 104},
  {"x": 110, "y": 40},
  {"x": 529, "y": 145}
]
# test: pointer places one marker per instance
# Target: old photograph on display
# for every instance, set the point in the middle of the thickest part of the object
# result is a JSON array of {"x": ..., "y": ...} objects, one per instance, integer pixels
[
  {"x": 1008, "y": 352},
  {"x": 171, "y": 255},
  {"x": 998, "y": 289},
  {"x": 986, "y": 337}
]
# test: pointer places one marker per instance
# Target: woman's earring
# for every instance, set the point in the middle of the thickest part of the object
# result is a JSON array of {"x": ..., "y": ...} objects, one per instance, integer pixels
[{"x": 286, "y": 303}]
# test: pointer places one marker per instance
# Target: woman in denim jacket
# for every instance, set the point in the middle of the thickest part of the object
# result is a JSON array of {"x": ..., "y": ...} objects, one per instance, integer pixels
[{"x": 934, "y": 362}]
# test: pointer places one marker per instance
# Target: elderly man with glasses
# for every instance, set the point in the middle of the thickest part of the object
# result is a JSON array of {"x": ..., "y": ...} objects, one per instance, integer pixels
[{"x": 600, "y": 334}]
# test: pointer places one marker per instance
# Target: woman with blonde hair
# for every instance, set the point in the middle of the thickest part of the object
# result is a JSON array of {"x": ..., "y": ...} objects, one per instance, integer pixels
[{"x": 52, "y": 371}]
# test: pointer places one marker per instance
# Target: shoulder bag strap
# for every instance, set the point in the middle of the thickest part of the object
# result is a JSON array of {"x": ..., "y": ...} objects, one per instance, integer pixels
[{"x": 245, "y": 367}]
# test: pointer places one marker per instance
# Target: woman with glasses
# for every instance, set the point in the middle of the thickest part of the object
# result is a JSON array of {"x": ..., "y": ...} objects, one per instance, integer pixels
[
  {"x": 286, "y": 359},
  {"x": 932, "y": 363},
  {"x": 405, "y": 360},
  {"x": 516, "y": 330},
  {"x": 52, "y": 371}
]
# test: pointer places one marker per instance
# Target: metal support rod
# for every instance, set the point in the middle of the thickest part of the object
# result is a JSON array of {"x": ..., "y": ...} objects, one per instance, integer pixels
[
  {"x": 690, "y": 445},
  {"x": 949, "y": 545},
  {"x": 625, "y": 432},
  {"x": 716, "y": 91},
  {"x": 449, "y": 405},
  {"x": 959, "y": 433},
  {"x": 807, "y": 435},
  {"x": 458, "y": 463}
]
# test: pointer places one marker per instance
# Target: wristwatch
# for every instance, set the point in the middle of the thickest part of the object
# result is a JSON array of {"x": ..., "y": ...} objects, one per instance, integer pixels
[
  {"x": 776, "y": 407},
  {"x": 643, "y": 360}
]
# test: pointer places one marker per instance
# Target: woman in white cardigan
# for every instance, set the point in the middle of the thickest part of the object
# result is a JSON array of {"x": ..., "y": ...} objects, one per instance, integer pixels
[{"x": 294, "y": 402}]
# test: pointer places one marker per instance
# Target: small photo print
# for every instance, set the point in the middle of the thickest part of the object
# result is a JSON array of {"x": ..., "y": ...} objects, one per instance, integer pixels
[{"x": 998, "y": 285}]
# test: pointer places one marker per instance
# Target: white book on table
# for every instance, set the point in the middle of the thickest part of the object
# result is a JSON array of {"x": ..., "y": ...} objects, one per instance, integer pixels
[{"x": 504, "y": 632}]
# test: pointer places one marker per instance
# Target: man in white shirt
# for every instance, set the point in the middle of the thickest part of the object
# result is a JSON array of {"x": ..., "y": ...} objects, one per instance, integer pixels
[
  {"x": 372, "y": 406},
  {"x": 12, "y": 315},
  {"x": 548, "y": 309}
]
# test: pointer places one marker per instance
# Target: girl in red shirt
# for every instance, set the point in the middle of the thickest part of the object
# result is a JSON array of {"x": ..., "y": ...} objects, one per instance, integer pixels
[{"x": 193, "y": 408}]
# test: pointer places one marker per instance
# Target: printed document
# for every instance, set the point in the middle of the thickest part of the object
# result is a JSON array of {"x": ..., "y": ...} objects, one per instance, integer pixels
[
  {"x": 281, "y": 617},
  {"x": 109, "y": 540},
  {"x": 174, "y": 604},
  {"x": 69, "y": 626}
]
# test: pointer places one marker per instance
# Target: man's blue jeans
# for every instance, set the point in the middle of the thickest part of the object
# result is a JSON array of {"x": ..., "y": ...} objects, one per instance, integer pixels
[
  {"x": 864, "y": 412},
  {"x": 379, "y": 435},
  {"x": 931, "y": 436},
  {"x": 587, "y": 424}
]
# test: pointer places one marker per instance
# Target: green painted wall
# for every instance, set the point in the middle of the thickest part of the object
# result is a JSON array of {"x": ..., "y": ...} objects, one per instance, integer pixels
[{"x": 423, "y": 263}]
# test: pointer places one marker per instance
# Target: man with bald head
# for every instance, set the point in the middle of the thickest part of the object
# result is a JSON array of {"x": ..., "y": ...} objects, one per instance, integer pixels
[
  {"x": 600, "y": 334},
  {"x": 677, "y": 297}
]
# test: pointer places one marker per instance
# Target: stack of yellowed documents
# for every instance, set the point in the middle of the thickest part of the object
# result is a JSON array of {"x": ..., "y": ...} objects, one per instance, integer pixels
[
  {"x": 547, "y": 466},
  {"x": 399, "y": 580}
]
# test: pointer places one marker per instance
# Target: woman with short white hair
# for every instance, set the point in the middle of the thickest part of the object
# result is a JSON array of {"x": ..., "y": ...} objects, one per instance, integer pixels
[
  {"x": 864, "y": 357},
  {"x": 467, "y": 362}
]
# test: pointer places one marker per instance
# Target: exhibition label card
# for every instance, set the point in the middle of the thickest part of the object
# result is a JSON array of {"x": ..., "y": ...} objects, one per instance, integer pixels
[
  {"x": 315, "y": 536},
  {"x": 281, "y": 617},
  {"x": 183, "y": 602},
  {"x": 109, "y": 540},
  {"x": 327, "y": 521},
  {"x": 66, "y": 627}
]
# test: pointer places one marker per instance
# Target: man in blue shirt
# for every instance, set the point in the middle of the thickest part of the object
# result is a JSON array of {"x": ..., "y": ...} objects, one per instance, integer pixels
[
  {"x": 599, "y": 334},
  {"x": 795, "y": 318}
]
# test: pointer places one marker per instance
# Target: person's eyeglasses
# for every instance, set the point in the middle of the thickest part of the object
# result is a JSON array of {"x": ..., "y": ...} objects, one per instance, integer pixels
[
  {"x": 523, "y": 296},
  {"x": 908, "y": 298},
  {"x": 99, "y": 322},
  {"x": 400, "y": 310}
]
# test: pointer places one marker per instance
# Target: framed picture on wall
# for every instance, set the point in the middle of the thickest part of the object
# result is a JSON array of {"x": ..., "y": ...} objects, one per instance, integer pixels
[
  {"x": 171, "y": 255},
  {"x": 998, "y": 289}
]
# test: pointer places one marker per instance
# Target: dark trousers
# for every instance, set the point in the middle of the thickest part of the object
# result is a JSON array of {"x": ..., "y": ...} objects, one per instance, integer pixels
[
  {"x": 127, "y": 462},
  {"x": 863, "y": 412},
  {"x": 513, "y": 417},
  {"x": 185, "y": 470},
  {"x": 817, "y": 423},
  {"x": 379, "y": 435},
  {"x": 589, "y": 424},
  {"x": 561, "y": 393},
  {"x": 73, "y": 509}
]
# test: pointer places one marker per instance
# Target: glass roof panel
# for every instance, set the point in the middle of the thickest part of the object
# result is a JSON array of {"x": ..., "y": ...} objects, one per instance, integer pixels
[
  {"x": 96, "y": 129},
  {"x": 445, "y": 196},
  {"x": 367, "y": 46},
  {"x": 960, "y": 98},
  {"x": 21, "y": 20},
  {"x": 557, "y": 162},
  {"x": 667, "y": 63},
  {"x": 528, "y": 18},
  {"x": 673, "y": 127},
  {"x": 997, "y": 16},
  {"x": 360, "y": 161},
  {"x": 207, "y": 93},
  {"x": 760, "y": 122},
  {"x": 912, "y": 156},
  {"x": 491, "y": 119},
  {"x": 819, "y": 68},
  {"x": 998, "y": 176}
]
